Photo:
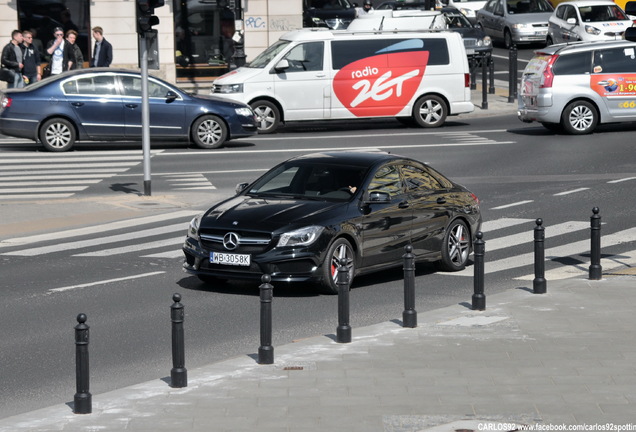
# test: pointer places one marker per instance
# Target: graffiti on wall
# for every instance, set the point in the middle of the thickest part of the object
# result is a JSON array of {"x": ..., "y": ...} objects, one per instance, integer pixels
[{"x": 275, "y": 23}]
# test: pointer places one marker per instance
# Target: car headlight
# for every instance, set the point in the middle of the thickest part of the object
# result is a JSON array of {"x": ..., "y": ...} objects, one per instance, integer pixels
[
  {"x": 245, "y": 111},
  {"x": 486, "y": 41},
  {"x": 228, "y": 88},
  {"x": 193, "y": 229},
  {"x": 300, "y": 237},
  {"x": 521, "y": 26},
  {"x": 592, "y": 30}
]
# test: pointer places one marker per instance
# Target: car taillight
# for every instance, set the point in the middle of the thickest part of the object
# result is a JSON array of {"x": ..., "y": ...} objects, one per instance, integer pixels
[
  {"x": 6, "y": 102},
  {"x": 548, "y": 74},
  {"x": 467, "y": 80},
  {"x": 475, "y": 198}
]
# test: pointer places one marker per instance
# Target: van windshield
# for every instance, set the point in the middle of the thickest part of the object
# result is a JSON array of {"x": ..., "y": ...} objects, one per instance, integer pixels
[{"x": 266, "y": 56}]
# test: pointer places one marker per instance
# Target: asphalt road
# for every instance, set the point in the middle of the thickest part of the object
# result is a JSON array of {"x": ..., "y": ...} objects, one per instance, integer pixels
[{"x": 520, "y": 172}]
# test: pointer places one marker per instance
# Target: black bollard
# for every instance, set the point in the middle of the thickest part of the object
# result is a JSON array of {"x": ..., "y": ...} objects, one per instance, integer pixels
[
  {"x": 539, "y": 284},
  {"x": 409, "y": 316},
  {"x": 472, "y": 67},
  {"x": 343, "y": 332},
  {"x": 596, "y": 271},
  {"x": 266, "y": 350},
  {"x": 479, "y": 298},
  {"x": 491, "y": 74},
  {"x": 178, "y": 373},
  {"x": 512, "y": 73},
  {"x": 83, "y": 403},
  {"x": 484, "y": 82}
]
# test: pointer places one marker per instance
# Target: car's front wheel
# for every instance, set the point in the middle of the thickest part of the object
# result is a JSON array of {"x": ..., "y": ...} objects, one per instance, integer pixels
[
  {"x": 57, "y": 135},
  {"x": 455, "y": 247},
  {"x": 267, "y": 116},
  {"x": 340, "y": 252},
  {"x": 209, "y": 132},
  {"x": 579, "y": 118},
  {"x": 430, "y": 111},
  {"x": 508, "y": 42}
]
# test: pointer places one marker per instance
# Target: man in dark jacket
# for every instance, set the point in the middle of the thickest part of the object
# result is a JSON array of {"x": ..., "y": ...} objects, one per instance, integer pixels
[
  {"x": 12, "y": 59},
  {"x": 103, "y": 51},
  {"x": 32, "y": 71}
]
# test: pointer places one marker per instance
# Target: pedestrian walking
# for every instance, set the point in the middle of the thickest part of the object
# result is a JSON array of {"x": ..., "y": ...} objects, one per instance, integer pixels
[
  {"x": 103, "y": 51},
  {"x": 76, "y": 60},
  {"x": 12, "y": 61},
  {"x": 32, "y": 70}
]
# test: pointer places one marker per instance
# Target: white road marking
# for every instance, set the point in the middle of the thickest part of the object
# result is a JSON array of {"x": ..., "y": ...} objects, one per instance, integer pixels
[
  {"x": 505, "y": 206},
  {"x": 104, "y": 282},
  {"x": 571, "y": 191},
  {"x": 135, "y": 247}
]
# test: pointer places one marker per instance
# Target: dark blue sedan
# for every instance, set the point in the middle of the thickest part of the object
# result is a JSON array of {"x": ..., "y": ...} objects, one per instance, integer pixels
[{"x": 105, "y": 104}]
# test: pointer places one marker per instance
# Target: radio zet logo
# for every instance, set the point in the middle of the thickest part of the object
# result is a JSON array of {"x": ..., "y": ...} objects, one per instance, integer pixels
[{"x": 381, "y": 85}]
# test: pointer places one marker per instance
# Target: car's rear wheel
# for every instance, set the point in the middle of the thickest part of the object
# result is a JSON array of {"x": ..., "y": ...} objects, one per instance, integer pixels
[
  {"x": 267, "y": 116},
  {"x": 340, "y": 251},
  {"x": 430, "y": 111},
  {"x": 209, "y": 132},
  {"x": 57, "y": 135},
  {"x": 579, "y": 118},
  {"x": 456, "y": 247}
]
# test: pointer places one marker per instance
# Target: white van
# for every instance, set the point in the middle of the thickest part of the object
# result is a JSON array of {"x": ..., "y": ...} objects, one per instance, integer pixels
[{"x": 319, "y": 74}]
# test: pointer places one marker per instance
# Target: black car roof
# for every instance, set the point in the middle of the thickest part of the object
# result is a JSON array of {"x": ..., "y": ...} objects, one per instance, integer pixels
[{"x": 364, "y": 158}]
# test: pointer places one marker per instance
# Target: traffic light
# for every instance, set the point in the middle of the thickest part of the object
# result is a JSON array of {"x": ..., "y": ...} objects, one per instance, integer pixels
[{"x": 145, "y": 14}]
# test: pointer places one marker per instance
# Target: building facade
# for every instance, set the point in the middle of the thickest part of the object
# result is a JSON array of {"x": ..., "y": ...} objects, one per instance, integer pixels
[{"x": 197, "y": 40}]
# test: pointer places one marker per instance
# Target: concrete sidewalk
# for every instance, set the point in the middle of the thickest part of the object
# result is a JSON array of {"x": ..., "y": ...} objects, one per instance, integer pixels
[{"x": 567, "y": 357}]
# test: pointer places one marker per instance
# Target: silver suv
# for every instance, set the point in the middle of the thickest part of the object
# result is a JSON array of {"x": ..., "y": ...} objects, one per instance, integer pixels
[{"x": 574, "y": 87}]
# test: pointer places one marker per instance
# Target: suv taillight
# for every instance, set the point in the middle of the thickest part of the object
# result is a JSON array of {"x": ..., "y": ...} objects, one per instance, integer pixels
[
  {"x": 548, "y": 74},
  {"x": 467, "y": 80}
]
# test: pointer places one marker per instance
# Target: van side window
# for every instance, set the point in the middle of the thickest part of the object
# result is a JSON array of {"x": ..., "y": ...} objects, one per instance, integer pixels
[
  {"x": 615, "y": 60},
  {"x": 306, "y": 57},
  {"x": 345, "y": 52},
  {"x": 573, "y": 64}
]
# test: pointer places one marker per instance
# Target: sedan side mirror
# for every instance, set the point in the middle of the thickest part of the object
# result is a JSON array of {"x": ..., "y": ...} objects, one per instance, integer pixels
[
  {"x": 240, "y": 187},
  {"x": 630, "y": 8},
  {"x": 171, "y": 96},
  {"x": 378, "y": 197}
]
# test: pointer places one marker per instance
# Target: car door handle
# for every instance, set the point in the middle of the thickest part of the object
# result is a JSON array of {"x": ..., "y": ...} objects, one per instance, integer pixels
[
  {"x": 131, "y": 105},
  {"x": 441, "y": 200},
  {"x": 77, "y": 104},
  {"x": 320, "y": 75},
  {"x": 404, "y": 204}
]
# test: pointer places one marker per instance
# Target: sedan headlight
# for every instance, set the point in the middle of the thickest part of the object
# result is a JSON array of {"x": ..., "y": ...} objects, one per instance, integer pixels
[
  {"x": 592, "y": 30},
  {"x": 228, "y": 88},
  {"x": 521, "y": 26},
  {"x": 486, "y": 41},
  {"x": 300, "y": 237},
  {"x": 193, "y": 229},
  {"x": 245, "y": 111}
]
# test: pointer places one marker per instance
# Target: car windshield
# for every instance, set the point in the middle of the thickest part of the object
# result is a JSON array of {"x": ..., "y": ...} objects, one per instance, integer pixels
[
  {"x": 329, "y": 4},
  {"x": 309, "y": 181},
  {"x": 266, "y": 56},
  {"x": 528, "y": 6},
  {"x": 599, "y": 13},
  {"x": 457, "y": 20}
]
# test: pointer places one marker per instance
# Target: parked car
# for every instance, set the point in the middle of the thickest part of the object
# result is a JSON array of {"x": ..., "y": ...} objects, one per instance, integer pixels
[
  {"x": 333, "y": 14},
  {"x": 105, "y": 104},
  {"x": 307, "y": 216},
  {"x": 405, "y": 17},
  {"x": 574, "y": 87},
  {"x": 515, "y": 21},
  {"x": 587, "y": 20}
]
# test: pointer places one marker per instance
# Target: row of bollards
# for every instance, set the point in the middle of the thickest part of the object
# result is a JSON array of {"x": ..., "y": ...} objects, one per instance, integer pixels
[{"x": 178, "y": 374}]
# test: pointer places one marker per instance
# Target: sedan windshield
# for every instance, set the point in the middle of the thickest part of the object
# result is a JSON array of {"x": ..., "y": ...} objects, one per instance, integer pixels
[
  {"x": 305, "y": 181},
  {"x": 528, "y": 6},
  {"x": 599, "y": 13}
]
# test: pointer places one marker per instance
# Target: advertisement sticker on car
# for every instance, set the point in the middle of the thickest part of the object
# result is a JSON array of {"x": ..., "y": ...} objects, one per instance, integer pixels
[
  {"x": 230, "y": 259},
  {"x": 614, "y": 85}
]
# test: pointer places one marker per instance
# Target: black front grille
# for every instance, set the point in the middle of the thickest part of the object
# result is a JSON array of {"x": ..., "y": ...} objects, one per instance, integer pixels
[{"x": 247, "y": 242}]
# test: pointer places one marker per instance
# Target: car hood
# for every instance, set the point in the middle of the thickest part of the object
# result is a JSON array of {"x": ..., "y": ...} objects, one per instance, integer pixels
[
  {"x": 269, "y": 214},
  {"x": 218, "y": 100},
  {"x": 529, "y": 18},
  {"x": 467, "y": 32},
  {"x": 238, "y": 76}
]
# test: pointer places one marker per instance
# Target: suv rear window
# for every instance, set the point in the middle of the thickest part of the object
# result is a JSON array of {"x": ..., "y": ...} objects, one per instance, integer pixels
[
  {"x": 345, "y": 52},
  {"x": 573, "y": 64}
]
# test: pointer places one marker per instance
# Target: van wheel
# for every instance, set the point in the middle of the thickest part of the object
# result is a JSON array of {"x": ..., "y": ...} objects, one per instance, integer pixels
[
  {"x": 267, "y": 116},
  {"x": 508, "y": 42},
  {"x": 430, "y": 111},
  {"x": 209, "y": 132},
  {"x": 579, "y": 118},
  {"x": 57, "y": 135}
]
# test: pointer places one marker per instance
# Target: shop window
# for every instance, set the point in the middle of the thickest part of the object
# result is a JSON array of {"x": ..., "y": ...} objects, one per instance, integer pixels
[{"x": 43, "y": 16}]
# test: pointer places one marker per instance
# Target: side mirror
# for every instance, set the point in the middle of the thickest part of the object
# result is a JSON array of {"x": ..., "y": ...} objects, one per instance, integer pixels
[
  {"x": 240, "y": 187},
  {"x": 630, "y": 8},
  {"x": 571, "y": 21},
  {"x": 630, "y": 32},
  {"x": 281, "y": 66},
  {"x": 378, "y": 197},
  {"x": 171, "y": 96}
]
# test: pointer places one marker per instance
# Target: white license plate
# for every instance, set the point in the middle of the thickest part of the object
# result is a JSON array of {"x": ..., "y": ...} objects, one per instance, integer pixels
[{"x": 229, "y": 259}]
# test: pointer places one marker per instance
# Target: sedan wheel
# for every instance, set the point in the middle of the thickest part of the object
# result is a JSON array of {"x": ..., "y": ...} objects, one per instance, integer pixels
[
  {"x": 455, "y": 247},
  {"x": 57, "y": 135},
  {"x": 339, "y": 252},
  {"x": 579, "y": 118},
  {"x": 267, "y": 116},
  {"x": 209, "y": 132},
  {"x": 430, "y": 111},
  {"x": 508, "y": 42}
]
